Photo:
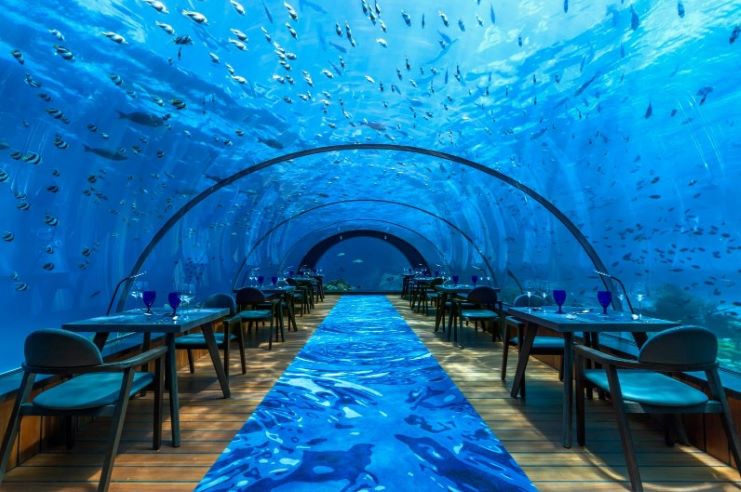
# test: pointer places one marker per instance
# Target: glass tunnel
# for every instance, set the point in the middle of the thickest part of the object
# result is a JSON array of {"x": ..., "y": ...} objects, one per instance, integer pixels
[{"x": 622, "y": 116}]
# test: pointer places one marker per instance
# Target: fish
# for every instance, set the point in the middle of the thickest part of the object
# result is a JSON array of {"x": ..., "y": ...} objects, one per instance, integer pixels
[
  {"x": 32, "y": 158},
  {"x": 116, "y": 79},
  {"x": 4, "y": 176},
  {"x": 680, "y": 9},
  {"x": 422, "y": 22},
  {"x": 64, "y": 53},
  {"x": 291, "y": 31},
  {"x": 8, "y": 236},
  {"x": 239, "y": 132},
  {"x": 3, "y": 145},
  {"x": 291, "y": 11},
  {"x": 177, "y": 103},
  {"x": 566, "y": 6},
  {"x": 142, "y": 118},
  {"x": 239, "y": 79},
  {"x": 23, "y": 206},
  {"x": 50, "y": 220},
  {"x": 340, "y": 254},
  {"x": 214, "y": 57},
  {"x": 238, "y": 44},
  {"x": 703, "y": 92},
  {"x": 196, "y": 17},
  {"x": 267, "y": 13},
  {"x": 18, "y": 56},
  {"x": 735, "y": 34},
  {"x": 444, "y": 18},
  {"x": 184, "y": 40},
  {"x": 461, "y": 25},
  {"x": 649, "y": 111},
  {"x": 86, "y": 252},
  {"x": 48, "y": 266},
  {"x": 16, "y": 155},
  {"x": 492, "y": 15},
  {"x": 634, "y": 20},
  {"x": 165, "y": 27},
  {"x": 29, "y": 80},
  {"x": 106, "y": 154},
  {"x": 21, "y": 287},
  {"x": 160, "y": 154},
  {"x": 357, "y": 261},
  {"x": 158, "y": 6},
  {"x": 338, "y": 47},
  {"x": 60, "y": 143},
  {"x": 407, "y": 19},
  {"x": 56, "y": 34},
  {"x": 239, "y": 34},
  {"x": 92, "y": 128},
  {"x": 238, "y": 7},
  {"x": 52, "y": 188},
  {"x": 115, "y": 37},
  {"x": 271, "y": 142}
]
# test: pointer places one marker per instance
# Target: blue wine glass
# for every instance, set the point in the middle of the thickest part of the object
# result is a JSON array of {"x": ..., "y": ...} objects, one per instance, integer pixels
[
  {"x": 173, "y": 299},
  {"x": 559, "y": 296},
  {"x": 455, "y": 279},
  {"x": 260, "y": 280},
  {"x": 474, "y": 279},
  {"x": 274, "y": 280},
  {"x": 605, "y": 298},
  {"x": 148, "y": 296}
]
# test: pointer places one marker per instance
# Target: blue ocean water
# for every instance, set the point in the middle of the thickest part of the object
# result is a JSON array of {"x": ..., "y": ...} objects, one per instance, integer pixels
[
  {"x": 117, "y": 113},
  {"x": 365, "y": 406}
]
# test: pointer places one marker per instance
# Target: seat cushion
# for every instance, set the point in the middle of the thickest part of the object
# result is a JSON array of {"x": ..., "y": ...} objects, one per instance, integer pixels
[
  {"x": 554, "y": 344},
  {"x": 90, "y": 391},
  {"x": 255, "y": 314},
  {"x": 479, "y": 314},
  {"x": 197, "y": 339},
  {"x": 649, "y": 388}
]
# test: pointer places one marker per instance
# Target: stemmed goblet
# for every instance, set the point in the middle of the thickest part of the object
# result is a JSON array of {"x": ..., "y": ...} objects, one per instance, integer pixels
[
  {"x": 173, "y": 299},
  {"x": 148, "y": 296},
  {"x": 559, "y": 296},
  {"x": 605, "y": 298}
]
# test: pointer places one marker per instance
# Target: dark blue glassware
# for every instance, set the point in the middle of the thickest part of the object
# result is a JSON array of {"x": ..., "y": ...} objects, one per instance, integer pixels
[
  {"x": 260, "y": 280},
  {"x": 173, "y": 299},
  {"x": 559, "y": 296},
  {"x": 455, "y": 279},
  {"x": 274, "y": 280},
  {"x": 474, "y": 279},
  {"x": 605, "y": 298},
  {"x": 148, "y": 296}
]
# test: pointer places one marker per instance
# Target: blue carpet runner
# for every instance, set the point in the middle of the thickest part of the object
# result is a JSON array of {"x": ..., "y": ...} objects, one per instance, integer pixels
[{"x": 365, "y": 406}]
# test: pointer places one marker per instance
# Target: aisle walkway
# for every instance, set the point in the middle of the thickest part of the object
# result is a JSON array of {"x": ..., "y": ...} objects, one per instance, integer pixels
[{"x": 365, "y": 406}]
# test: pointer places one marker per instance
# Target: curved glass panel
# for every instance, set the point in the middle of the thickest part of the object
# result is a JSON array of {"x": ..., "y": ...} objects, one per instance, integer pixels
[{"x": 116, "y": 114}]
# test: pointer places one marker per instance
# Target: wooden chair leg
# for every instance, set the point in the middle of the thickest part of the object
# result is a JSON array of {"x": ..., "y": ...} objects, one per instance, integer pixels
[
  {"x": 69, "y": 432},
  {"x": 716, "y": 388},
  {"x": 625, "y": 437},
  {"x": 580, "y": 407},
  {"x": 227, "y": 343},
  {"x": 560, "y": 370},
  {"x": 505, "y": 353},
  {"x": 117, "y": 422},
  {"x": 191, "y": 365},
  {"x": 15, "y": 418},
  {"x": 240, "y": 343}
]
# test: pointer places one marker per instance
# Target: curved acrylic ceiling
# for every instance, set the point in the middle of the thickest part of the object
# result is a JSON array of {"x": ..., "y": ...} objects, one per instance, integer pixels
[{"x": 618, "y": 113}]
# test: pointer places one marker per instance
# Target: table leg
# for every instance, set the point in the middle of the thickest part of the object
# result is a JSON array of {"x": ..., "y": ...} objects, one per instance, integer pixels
[
  {"x": 100, "y": 338},
  {"x": 213, "y": 350},
  {"x": 172, "y": 384},
  {"x": 526, "y": 346},
  {"x": 568, "y": 383}
]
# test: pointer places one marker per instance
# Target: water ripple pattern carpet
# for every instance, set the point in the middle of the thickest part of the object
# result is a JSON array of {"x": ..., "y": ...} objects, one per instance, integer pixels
[{"x": 365, "y": 406}]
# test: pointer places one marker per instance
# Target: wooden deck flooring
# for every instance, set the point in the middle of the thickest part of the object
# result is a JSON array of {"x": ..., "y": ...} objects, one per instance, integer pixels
[{"x": 530, "y": 430}]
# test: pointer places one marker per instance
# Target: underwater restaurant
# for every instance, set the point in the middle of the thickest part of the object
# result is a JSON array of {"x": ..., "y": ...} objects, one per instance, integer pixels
[{"x": 313, "y": 245}]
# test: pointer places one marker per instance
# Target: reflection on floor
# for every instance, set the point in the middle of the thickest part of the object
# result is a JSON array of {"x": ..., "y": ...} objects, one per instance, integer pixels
[{"x": 365, "y": 406}]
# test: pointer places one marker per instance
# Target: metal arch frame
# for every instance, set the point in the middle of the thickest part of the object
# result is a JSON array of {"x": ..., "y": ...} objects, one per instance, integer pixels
[
  {"x": 371, "y": 200},
  {"x": 565, "y": 221},
  {"x": 333, "y": 224},
  {"x": 315, "y": 253}
]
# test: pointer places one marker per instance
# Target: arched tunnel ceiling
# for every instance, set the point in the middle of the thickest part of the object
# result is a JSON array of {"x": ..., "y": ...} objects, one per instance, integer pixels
[{"x": 620, "y": 113}]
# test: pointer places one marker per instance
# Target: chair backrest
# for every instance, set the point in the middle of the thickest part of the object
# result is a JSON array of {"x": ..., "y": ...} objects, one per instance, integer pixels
[
  {"x": 291, "y": 281},
  {"x": 57, "y": 349},
  {"x": 249, "y": 295},
  {"x": 522, "y": 301},
  {"x": 437, "y": 281},
  {"x": 221, "y": 300},
  {"x": 683, "y": 346},
  {"x": 483, "y": 295}
]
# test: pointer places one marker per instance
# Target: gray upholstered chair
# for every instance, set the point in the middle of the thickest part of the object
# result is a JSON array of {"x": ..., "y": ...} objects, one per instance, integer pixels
[
  {"x": 480, "y": 306},
  {"x": 193, "y": 341},
  {"x": 253, "y": 307},
  {"x": 641, "y": 386},
  {"x": 96, "y": 388}
]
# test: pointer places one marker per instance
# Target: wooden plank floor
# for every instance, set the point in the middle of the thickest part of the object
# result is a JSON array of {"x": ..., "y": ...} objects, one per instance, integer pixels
[{"x": 530, "y": 430}]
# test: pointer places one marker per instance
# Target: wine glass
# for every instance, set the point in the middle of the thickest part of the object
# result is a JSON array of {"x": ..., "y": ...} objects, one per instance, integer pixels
[
  {"x": 474, "y": 279},
  {"x": 456, "y": 278},
  {"x": 605, "y": 298},
  {"x": 559, "y": 296},
  {"x": 544, "y": 294},
  {"x": 274, "y": 280},
  {"x": 640, "y": 297},
  {"x": 148, "y": 296},
  {"x": 529, "y": 296},
  {"x": 260, "y": 280},
  {"x": 173, "y": 299}
]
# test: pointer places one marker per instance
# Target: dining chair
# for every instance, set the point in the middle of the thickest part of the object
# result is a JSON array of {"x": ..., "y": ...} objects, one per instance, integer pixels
[
  {"x": 542, "y": 345},
  {"x": 480, "y": 306},
  {"x": 95, "y": 388},
  {"x": 192, "y": 341},
  {"x": 643, "y": 386},
  {"x": 253, "y": 308}
]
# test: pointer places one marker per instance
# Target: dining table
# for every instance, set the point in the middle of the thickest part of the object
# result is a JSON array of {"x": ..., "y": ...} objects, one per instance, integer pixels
[
  {"x": 161, "y": 321},
  {"x": 568, "y": 322}
]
